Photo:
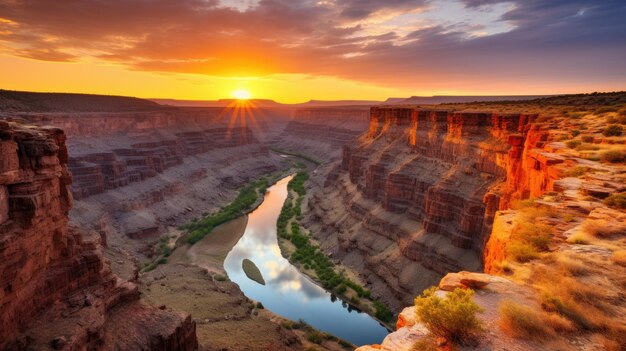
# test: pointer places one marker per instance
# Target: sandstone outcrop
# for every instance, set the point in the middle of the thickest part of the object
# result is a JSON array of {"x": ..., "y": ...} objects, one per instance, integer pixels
[
  {"x": 57, "y": 291},
  {"x": 494, "y": 289}
]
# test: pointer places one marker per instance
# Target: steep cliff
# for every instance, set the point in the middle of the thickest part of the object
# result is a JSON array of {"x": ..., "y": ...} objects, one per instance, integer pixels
[
  {"x": 322, "y": 131},
  {"x": 57, "y": 291},
  {"x": 419, "y": 191},
  {"x": 536, "y": 199}
]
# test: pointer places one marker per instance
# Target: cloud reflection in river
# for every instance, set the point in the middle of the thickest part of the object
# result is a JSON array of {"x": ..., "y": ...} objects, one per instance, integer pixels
[{"x": 287, "y": 292}]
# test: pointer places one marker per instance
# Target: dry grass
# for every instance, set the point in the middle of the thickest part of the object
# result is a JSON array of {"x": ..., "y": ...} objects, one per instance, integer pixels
[
  {"x": 573, "y": 266},
  {"x": 524, "y": 322},
  {"x": 619, "y": 257},
  {"x": 579, "y": 239},
  {"x": 603, "y": 229},
  {"x": 522, "y": 252},
  {"x": 426, "y": 344}
]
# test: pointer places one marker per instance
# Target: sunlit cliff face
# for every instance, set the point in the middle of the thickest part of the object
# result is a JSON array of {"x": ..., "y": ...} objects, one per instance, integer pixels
[{"x": 294, "y": 50}]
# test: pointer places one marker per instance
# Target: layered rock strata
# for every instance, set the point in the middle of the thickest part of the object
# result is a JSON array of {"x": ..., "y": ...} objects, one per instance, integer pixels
[
  {"x": 95, "y": 173},
  {"x": 321, "y": 132},
  {"x": 414, "y": 198},
  {"x": 57, "y": 291}
]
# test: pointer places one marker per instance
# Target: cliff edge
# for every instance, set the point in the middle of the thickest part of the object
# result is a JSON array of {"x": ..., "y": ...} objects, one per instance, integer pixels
[{"x": 57, "y": 290}]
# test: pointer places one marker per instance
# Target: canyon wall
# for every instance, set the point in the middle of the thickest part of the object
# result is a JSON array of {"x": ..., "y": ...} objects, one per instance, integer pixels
[
  {"x": 57, "y": 291},
  {"x": 322, "y": 131},
  {"x": 140, "y": 174},
  {"x": 415, "y": 197}
]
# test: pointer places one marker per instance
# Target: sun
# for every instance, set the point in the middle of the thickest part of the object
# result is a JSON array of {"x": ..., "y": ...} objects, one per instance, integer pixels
[{"x": 241, "y": 94}]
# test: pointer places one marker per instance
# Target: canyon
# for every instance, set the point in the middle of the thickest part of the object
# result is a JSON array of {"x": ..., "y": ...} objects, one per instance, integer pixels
[
  {"x": 429, "y": 191},
  {"x": 400, "y": 197},
  {"x": 416, "y": 196}
]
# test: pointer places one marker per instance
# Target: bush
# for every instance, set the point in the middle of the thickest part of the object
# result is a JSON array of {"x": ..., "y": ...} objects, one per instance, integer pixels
[
  {"x": 260, "y": 306},
  {"x": 613, "y": 130},
  {"x": 616, "y": 201},
  {"x": 453, "y": 317},
  {"x": 613, "y": 156},
  {"x": 575, "y": 132},
  {"x": 572, "y": 144},
  {"x": 521, "y": 252},
  {"x": 382, "y": 312}
]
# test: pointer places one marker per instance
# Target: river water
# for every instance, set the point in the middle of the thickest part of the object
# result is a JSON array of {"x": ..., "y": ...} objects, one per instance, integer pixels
[{"x": 287, "y": 292}]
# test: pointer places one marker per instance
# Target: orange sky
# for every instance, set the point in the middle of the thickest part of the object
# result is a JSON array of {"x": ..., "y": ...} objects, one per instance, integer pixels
[{"x": 296, "y": 50}]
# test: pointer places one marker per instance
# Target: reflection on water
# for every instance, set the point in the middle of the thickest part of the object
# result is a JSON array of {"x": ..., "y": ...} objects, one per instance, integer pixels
[{"x": 288, "y": 292}]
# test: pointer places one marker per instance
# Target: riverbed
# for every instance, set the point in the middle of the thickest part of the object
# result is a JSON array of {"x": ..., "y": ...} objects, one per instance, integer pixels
[{"x": 287, "y": 292}]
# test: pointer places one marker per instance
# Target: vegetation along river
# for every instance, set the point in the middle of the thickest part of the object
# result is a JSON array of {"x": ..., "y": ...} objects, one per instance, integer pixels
[{"x": 286, "y": 291}]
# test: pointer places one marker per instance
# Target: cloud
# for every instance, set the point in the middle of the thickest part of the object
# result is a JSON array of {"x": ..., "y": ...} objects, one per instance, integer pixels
[{"x": 400, "y": 43}]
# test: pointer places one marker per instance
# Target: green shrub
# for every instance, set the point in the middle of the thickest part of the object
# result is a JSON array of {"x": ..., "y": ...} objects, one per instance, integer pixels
[
  {"x": 453, "y": 317},
  {"x": 575, "y": 132},
  {"x": 314, "y": 336},
  {"x": 382, "y": 312},
  {"x": 260, "y": 306},
  {"x": 246, "y": 198},
  {"x": 616, "y": 201},
  {"x": 613, "y": 130}
]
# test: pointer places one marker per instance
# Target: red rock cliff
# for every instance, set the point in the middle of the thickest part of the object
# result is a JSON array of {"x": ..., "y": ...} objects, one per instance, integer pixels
[
  {"x": 56, "y": 290},
  {"x": 420, "y": 190}
]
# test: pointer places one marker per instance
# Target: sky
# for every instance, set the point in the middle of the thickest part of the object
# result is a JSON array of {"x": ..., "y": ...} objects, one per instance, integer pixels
[{"x": 296, "y": 50}]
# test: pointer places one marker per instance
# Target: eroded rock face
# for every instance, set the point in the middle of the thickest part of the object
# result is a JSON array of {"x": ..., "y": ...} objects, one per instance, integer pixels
[
  {"x": 322, "y": 131},
  {"x": 57, "y": 291},
  {"x": 419, "y": 191},
  {"x": 95, "y": 173}
]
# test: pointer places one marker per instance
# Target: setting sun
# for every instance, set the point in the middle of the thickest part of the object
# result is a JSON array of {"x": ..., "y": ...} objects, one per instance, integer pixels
[{"x": 241, "y": 94}]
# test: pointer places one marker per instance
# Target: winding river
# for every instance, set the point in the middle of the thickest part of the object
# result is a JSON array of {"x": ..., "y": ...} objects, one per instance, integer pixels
[{"x": 287, "y": 292}]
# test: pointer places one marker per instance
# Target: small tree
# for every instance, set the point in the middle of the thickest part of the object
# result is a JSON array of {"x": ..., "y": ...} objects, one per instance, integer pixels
[{"x": 453, "y": 317}]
